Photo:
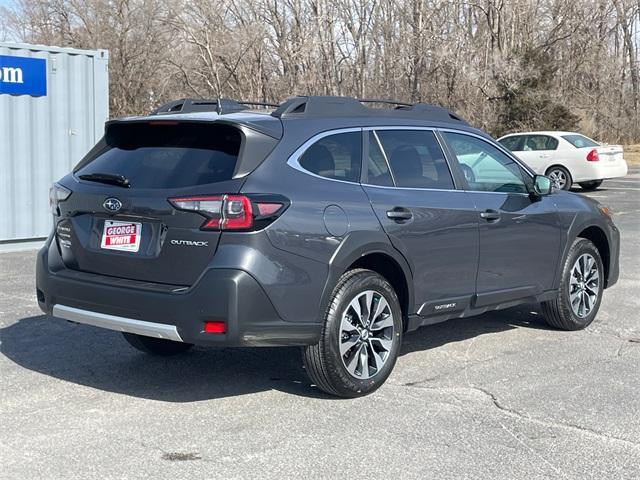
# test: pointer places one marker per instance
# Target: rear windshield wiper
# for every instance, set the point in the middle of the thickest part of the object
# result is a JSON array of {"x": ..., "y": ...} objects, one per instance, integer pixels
[{"x": 110, "y": 178}]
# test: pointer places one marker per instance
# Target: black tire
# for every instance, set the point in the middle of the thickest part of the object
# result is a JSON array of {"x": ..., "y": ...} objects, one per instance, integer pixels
[
  {"x": 325, "y": 364},
  {"x": 155, "y": 346},
  {"x": 557, "y": 170},
  {"x": 559, "y": 312},
  {"x": 590, "y": 186}
]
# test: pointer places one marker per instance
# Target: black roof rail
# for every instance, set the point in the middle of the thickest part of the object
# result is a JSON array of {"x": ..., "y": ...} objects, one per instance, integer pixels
[
  {"x": 384, "y": 101},
  {"x": 318, "y": 106},
  {"x": 219, "y": 105}
]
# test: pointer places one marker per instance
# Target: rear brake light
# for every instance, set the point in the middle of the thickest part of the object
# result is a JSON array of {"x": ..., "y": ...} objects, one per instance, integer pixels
[
  {"x": 215, "y": 326},
  {"x": 593, "y": 156},
  {"x": 268, "y": 209},
  {"x": 233, "y": 212}
]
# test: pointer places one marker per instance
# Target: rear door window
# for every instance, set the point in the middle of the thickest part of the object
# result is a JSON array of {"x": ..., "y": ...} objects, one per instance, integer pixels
[
  {"x": 416, "y": 159},
  {"x": 513, "y": 143},
  {"x": 335, "y": 156},
  {"x": 535, "y": 143},
  {"x": 377, "y": 167},
  {"x": 166, "y": 155}
]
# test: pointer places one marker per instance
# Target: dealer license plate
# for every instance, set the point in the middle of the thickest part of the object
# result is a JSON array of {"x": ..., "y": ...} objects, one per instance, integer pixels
[{"x": 123, "y": 236}]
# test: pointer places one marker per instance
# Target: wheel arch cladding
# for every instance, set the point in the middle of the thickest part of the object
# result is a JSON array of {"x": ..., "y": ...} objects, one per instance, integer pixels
[
  {"x": 386, "y": 266},
  {"x": 373, "y": 251},
  {"x": 597, "y": 236}
]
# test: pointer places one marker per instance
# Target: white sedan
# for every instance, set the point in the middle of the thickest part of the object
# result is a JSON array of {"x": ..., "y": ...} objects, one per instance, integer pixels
[{"x": 567, "y": 157}]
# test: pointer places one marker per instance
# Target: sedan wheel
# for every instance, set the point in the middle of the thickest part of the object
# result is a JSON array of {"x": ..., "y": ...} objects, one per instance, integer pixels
[{"x": 560, "y": 178}]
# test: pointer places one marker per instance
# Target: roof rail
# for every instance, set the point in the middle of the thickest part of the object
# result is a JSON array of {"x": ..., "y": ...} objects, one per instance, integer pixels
[
  {"x": 219, "y": 105},
  {"x": 318, "y": 106},
  {"x": 384, "y": 101},
  {"x": 315, "y": 106}
]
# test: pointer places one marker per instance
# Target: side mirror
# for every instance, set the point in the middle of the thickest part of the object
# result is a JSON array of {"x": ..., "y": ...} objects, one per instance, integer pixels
[{"x": 542, "y": 185}]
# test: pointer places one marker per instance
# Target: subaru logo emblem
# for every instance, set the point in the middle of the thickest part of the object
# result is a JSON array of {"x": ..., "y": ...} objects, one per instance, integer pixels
[{"x": 112, "y": 204}]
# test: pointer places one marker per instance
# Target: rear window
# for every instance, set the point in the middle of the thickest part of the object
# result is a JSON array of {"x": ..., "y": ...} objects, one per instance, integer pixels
[
  {"x": 166, "y": 155},
  {"x": 580, "y": 141}
]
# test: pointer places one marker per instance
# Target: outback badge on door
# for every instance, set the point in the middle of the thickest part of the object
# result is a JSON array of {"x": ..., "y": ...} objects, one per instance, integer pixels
[{"x": 112, "y": 204}]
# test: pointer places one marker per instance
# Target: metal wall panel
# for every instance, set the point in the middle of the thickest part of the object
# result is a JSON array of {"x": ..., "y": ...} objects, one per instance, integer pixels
[{"x": 42, "y": 138}]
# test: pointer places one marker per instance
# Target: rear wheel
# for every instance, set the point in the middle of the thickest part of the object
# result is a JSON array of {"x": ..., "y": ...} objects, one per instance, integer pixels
[
  {"x": 560, "y": 177},
  {"x": 581, "y": 288},
  {"x": 360, "y": 339},
  {"x": 590, "y": 186},
  {"x": 156, "y": 346}
]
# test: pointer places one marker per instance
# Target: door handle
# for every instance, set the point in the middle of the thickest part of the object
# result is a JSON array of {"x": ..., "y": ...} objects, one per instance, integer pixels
[
  {"x": 544, "y": 155},
  {"x": 399, "y": 214},
  {"x": 490, "y": 215}
]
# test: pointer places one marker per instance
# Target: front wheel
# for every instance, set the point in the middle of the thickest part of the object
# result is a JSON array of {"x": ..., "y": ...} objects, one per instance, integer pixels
[
  {"x": 560, "y": 177},
  {"x": 590, "y": 186},
  {"x": 361, "y": 337},
  {"x": 581, "y": 288},
  {"x": 155, "y": 346}
]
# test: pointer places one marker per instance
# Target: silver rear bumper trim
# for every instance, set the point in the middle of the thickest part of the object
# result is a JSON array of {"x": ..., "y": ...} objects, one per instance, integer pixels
[{"x": 121, "y": 324}]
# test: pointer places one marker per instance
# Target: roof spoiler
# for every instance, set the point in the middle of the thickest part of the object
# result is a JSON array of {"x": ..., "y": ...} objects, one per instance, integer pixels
[{"x": 218, "y": 105}]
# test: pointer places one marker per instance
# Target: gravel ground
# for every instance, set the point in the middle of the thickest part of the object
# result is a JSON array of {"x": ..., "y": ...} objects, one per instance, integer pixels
[{"x": 499, "y": 396}]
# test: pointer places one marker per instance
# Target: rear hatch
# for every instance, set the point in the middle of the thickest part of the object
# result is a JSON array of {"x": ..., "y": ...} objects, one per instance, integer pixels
[{"x": 118, "y": 220}]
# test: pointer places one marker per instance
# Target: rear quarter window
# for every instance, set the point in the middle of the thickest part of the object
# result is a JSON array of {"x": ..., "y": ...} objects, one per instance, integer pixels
[
  {"x": 166, "y": 155},
  {"x": 336, "y": 156}
]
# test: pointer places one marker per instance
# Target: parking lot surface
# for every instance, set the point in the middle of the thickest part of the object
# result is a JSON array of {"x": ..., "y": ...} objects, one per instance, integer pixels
[{"x": 498, "y": 396}]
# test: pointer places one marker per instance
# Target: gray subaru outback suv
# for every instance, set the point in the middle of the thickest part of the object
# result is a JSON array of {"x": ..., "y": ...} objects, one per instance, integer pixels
[{"x": 325, "y": 224}]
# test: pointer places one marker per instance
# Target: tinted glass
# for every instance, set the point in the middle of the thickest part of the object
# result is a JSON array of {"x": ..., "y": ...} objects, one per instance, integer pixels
[
  {"x": 512, "y": 143},
  {"x": 166, "y": 156},
  {"x": 336, "y": 156},
  {"x": 416, "y": 159},
  {"x": 485, "y": 167},
  {"x": 580, "y": 141},
  {"x": 540, "y": 142},
  {"x": 377, "y": 169}
]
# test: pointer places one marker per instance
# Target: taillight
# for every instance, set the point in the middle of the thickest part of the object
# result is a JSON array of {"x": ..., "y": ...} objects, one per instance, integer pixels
[
  {"x": 233, "y": 212},
  {"x": 57, "y": 194},
  {"x": 215, "y": 326},
  {"x": 593, "y": 156}
]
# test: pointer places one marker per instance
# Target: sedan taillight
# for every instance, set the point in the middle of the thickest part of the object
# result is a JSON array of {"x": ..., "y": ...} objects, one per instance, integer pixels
[
  {"x": 233, "y": 212},
  {"x": 593, "y": 156}
]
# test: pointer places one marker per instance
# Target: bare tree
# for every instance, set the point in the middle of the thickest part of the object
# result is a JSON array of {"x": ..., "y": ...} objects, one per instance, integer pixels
[{"x": 501, "y": 64}]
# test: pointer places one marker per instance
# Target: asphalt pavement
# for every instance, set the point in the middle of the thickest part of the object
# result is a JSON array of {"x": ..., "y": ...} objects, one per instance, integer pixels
[{"x": 499, "y": 396}]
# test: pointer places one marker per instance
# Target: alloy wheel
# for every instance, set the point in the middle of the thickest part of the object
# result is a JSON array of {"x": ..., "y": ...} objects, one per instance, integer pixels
[
  {"x": 559, "y": 178},
  {"x": 584, "y": 285},
  {"x": 366, "y": 334}
]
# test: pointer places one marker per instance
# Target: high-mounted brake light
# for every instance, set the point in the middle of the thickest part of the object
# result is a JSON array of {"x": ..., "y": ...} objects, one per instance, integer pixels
[
  {"x": 593, "y": 156},
  {"x": 232, "y": 212},
  {"x": 163, "y": 122}
]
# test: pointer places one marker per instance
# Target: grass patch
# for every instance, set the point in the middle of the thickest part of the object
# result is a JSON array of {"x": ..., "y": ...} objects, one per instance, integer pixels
[{"x": 632, "y": 154}]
